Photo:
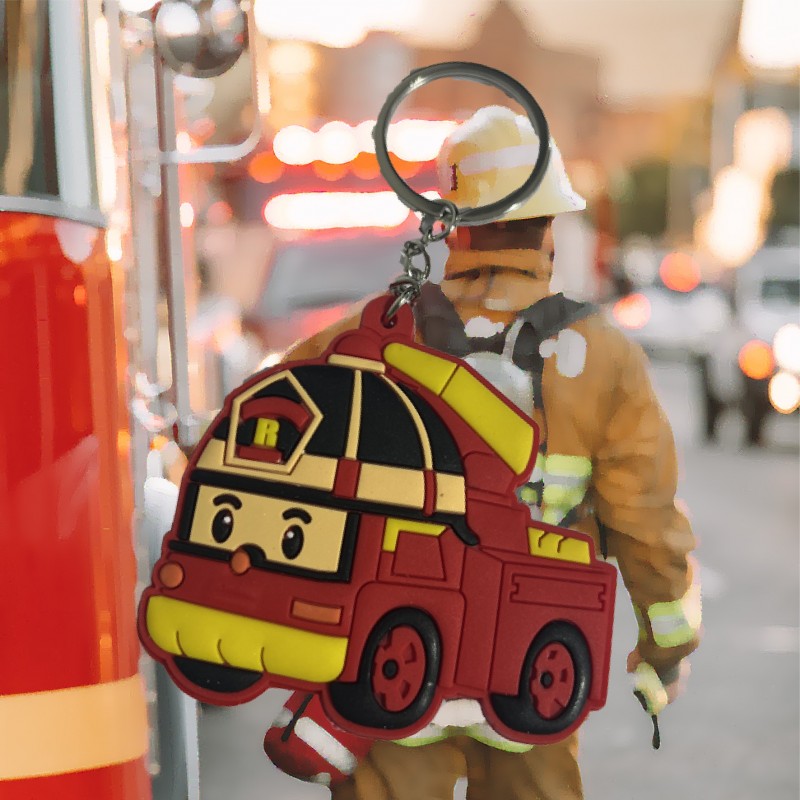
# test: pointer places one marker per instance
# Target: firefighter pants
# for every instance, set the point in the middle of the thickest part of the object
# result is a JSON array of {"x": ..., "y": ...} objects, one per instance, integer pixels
[{"x": 393, "y": 772}]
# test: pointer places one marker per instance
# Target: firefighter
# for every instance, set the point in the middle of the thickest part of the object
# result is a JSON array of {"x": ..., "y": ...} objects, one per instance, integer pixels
[{"x": 607, "y": 463}]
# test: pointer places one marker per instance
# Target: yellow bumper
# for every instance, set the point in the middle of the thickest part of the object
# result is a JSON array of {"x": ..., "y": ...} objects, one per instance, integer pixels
[{"x": 219, "y": 637}]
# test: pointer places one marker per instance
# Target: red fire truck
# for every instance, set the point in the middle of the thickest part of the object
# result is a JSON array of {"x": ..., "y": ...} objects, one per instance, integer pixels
[
  {"x": 348, "y": 525},
  {"x": 87, "y": 151}
]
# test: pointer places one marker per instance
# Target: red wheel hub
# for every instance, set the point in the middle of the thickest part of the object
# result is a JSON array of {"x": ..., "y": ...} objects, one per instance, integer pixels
[
  {"x": 398, "y": 669},
  {"x": 552, "y": 680}
]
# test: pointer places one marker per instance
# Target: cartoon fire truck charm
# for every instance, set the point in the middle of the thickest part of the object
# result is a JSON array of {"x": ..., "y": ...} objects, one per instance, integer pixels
[{"x": 349, "y": 526}]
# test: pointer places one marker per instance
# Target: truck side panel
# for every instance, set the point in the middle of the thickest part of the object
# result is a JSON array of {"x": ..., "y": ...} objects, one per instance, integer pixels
[
  {"x": 533, "y": 596},
  {"x": 482, "y": 577}
]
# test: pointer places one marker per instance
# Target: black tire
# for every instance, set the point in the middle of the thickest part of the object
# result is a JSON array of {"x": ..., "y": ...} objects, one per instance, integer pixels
[
  {"x": 712, "y": 408},
  {"x": 363, "y": 702},
  {"x": 549, "y": 708}
]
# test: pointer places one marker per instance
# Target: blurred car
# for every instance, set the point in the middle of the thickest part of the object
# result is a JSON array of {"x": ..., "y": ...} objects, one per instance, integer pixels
[
  {"x": 313, "y": 282},
  {"x": 667, "y": 307},
  {"x": 338, "y": 229},
  {"x": 754, "y": 364}
]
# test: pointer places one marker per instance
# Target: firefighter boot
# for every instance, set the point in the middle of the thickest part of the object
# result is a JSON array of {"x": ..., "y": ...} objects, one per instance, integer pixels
[{"x": 313, "y": 749}]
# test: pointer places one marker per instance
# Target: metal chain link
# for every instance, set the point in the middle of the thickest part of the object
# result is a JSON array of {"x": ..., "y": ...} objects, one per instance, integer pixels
[{"x": 409, "y": 285}]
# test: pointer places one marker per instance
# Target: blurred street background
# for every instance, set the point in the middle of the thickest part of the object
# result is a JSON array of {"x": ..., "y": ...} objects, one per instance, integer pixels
[
  {"x": 678, "y": 121},
  {"x": 188, "y": 187}
]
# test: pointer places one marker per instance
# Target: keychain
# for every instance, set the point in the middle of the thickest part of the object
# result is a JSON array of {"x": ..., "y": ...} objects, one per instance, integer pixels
[{"x": 349, "y": 527}]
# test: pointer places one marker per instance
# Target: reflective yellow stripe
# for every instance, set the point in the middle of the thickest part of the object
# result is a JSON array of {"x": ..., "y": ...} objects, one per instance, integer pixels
[
  {"x": 486, "y": 734},
  {"x": 428, "y": 735},
  {"x": 640, "y": 622},
  {"x": 572, "y": 466},
  {"x": 564, "y": 496},
  {"x": 552, "y": 516},
  {"x": 529, "y": 495},
  {"x": 566, "y": 479},
  {"x": 71, "y": 730},
  {"x": 676, "y": 622},
  {"x": 538, "y": 469},
  {"x": 481, "y": 732}
]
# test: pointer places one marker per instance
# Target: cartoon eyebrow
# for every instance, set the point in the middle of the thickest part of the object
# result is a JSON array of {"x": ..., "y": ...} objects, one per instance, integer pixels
[
  {"x": 228, "y": 498},
  {"x": 291, "y": 513}
]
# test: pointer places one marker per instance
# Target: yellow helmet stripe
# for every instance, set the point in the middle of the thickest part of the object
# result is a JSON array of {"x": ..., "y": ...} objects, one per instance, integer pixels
[
  {"x": 351, "y": 449},
  {"x": 424, "y": 440}
]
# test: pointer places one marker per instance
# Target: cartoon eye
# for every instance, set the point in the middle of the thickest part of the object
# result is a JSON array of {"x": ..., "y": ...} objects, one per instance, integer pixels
[
  {"x": 292, "y": 542},
  {"x": 222, "y": 525}
]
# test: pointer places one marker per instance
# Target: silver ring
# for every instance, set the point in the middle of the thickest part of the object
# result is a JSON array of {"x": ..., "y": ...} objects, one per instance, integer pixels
[
  {"x": 479, "y": 73},
  {"x": 448, "y": 216}
]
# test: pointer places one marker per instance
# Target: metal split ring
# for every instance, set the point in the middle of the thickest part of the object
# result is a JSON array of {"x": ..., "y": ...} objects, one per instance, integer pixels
[
  {"x": 405, "y": 294},
  {"x": 434, "y": 209},
  {"x": 448, "y": 216}
]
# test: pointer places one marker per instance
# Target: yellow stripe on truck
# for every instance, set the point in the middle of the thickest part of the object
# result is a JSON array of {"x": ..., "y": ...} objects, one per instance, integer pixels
[
  {"x": 220, "y": 637},
  {"x": 394, "y": 527},
  {"x": 491, "y": 417},
  {"x": 425, "y": 368},
  {"x": 72, "y": 730},
  {"x": 548, "y": 544}
]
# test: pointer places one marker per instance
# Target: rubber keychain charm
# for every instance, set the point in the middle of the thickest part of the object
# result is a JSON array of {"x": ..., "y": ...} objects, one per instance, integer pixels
[{"x": 348, "y": 527}]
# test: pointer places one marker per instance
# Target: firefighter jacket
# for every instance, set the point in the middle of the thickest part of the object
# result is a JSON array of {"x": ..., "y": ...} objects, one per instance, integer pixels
[{"x": 607, "y": 461}]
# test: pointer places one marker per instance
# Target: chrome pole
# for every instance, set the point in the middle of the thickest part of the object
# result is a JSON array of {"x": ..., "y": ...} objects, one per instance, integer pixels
[{"x": 188, "y": 426}]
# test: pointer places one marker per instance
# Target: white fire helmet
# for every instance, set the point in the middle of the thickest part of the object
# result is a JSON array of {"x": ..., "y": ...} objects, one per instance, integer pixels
[{"x": 491, "y": 154}]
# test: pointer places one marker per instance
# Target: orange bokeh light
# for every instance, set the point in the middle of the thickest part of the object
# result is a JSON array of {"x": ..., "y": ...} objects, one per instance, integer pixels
[
  {"x": 633, "y": 311},
  {"x": 219, "y": 213},
  {"x": 265, "y": 167},
  {"x": 330, "y": 172},
  {"x": 680, "y": 272},
  {"x": 365, "y": 166},
  {"x": 406, "y": 169},
  {"x": 756, "y": 361}
]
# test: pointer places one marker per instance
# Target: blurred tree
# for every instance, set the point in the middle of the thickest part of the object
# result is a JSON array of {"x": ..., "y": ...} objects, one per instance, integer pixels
[
  {"x": 641, "y": 200},
  {"x": 785, "y": 197}
]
